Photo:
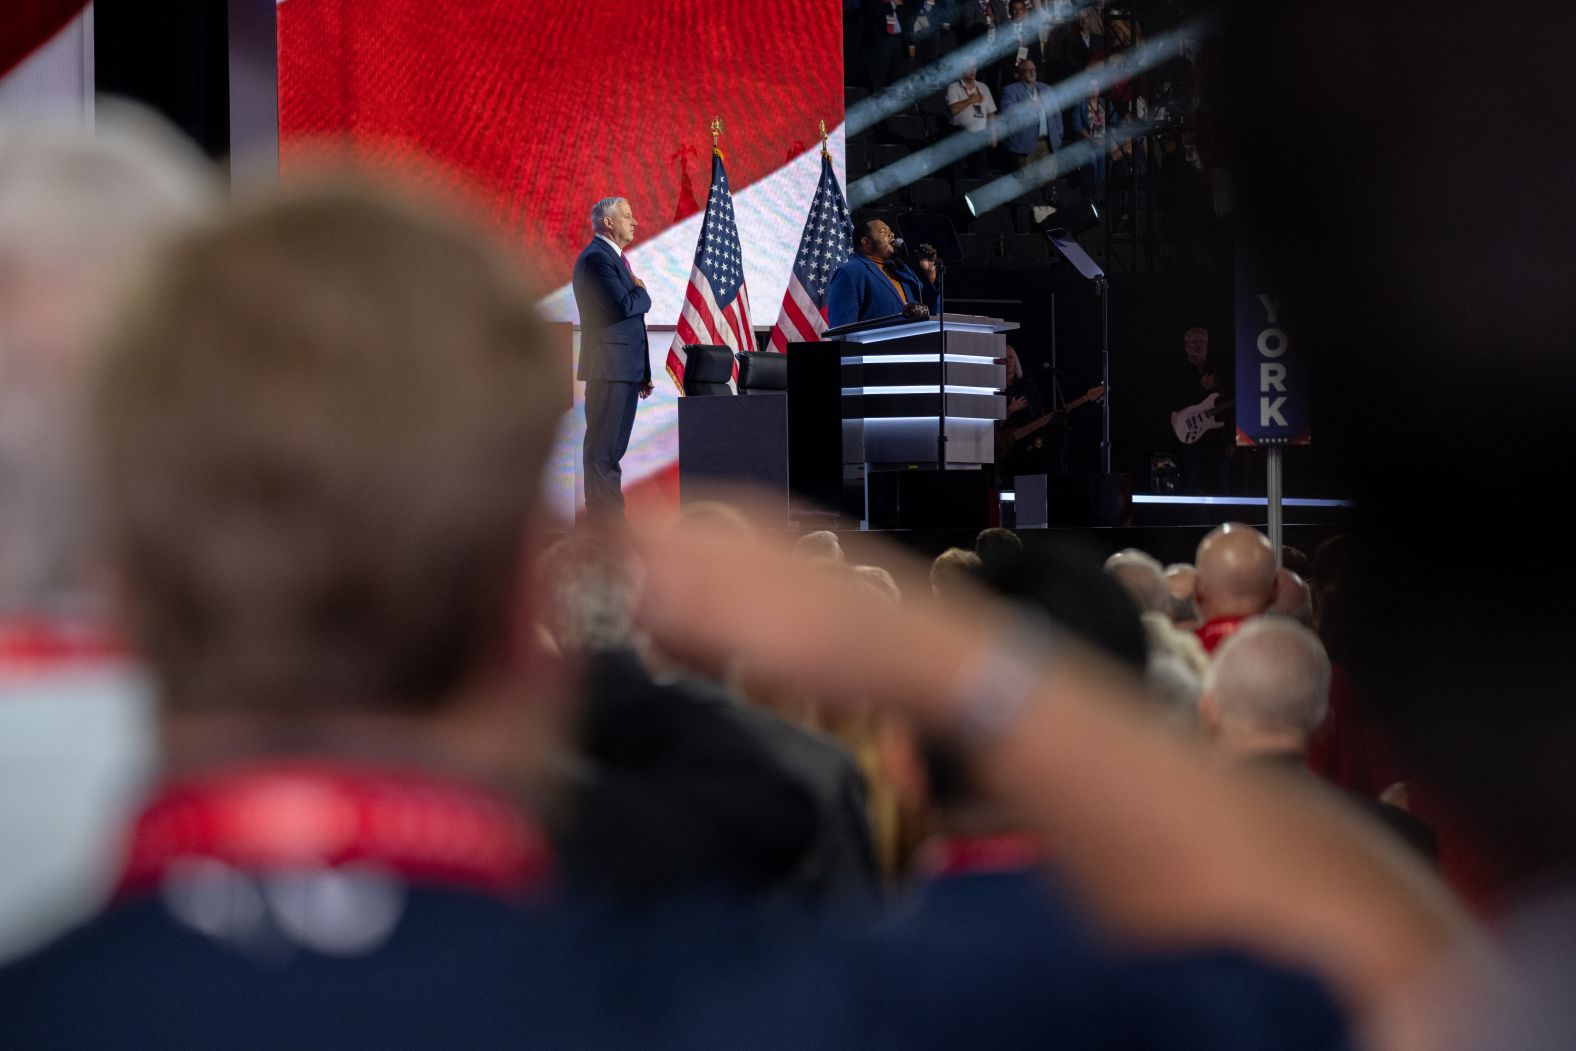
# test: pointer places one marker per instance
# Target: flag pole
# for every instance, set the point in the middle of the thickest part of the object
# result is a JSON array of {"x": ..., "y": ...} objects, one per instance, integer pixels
[
  {"x": 824, "y": 154},
  {"x": 716, "y": 134}
]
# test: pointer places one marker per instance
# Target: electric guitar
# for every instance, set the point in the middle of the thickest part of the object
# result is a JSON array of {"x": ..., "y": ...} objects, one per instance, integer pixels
[
  {"x": 1008, "y": 439},
  {"x": 1195, "y": 421}
]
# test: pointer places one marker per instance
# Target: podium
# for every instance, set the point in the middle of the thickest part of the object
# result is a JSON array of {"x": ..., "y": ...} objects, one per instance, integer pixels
[{"x": 866, "y": 410}]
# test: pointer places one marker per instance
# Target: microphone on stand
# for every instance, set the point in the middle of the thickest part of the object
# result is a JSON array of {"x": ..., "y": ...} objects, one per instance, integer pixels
[{"x": 900, "y": 245}]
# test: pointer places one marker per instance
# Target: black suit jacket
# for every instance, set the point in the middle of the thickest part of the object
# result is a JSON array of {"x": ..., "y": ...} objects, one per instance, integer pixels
[{"x": 612, "y": 317}]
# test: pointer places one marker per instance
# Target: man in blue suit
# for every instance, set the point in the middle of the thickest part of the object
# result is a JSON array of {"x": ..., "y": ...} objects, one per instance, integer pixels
[
  {"x": 874, "y": 284},
  {"x": 1038, "y": 124},
  {"x": 613, "y": 357}
]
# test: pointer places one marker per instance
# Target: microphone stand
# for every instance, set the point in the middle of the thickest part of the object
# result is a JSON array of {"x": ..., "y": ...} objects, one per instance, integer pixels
[
  {"x": 941, "y": 321},
  {"x": 1104, "y": 291}
]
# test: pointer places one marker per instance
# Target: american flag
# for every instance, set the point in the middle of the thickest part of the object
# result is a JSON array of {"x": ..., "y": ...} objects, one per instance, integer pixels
[
  {"x": 716, "y": 303},
  {"x": 825, "y": 245}
]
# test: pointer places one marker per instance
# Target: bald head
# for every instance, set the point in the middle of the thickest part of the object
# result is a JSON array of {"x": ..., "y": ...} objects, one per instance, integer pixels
[
  {"x": 1142, "y": 578},
  {"x": 1236, "y": 572},
  {"x": 1268, "y": 687},
  {"x": 1293, "y": 597}
]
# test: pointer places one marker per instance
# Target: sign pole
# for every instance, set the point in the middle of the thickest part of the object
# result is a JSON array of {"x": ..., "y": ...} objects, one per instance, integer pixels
[{"x": 1272, "y": 489}]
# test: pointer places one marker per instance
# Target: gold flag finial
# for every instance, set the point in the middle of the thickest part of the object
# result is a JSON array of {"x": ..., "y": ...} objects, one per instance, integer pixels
[
  {"x": 716, "y": 131},
  {"x": 823, "y": 140}
]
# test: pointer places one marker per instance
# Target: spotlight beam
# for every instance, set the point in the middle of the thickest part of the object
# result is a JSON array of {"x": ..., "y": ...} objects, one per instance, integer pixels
[
  {"x": 936, "y": 76},
  {"x": 1154, "y": 52},
  {"x": 1010, "y": 187}
]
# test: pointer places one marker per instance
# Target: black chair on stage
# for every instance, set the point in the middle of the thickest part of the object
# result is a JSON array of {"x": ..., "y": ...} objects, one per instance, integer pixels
[
  {"x": 708, "y": 370},
  {"x": 734, "y": 440},
  {"x": 763, "y": 372}
]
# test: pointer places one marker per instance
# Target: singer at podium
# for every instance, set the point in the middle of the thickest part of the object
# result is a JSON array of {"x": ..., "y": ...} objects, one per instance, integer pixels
[{"x": 874, "y": 283}]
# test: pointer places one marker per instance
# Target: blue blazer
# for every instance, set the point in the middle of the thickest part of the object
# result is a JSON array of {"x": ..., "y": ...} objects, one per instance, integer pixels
[
  {"x": 1027, "y": 134},
  {"x": 859, "y": 291},
  {"x": 612, "y": 317}
]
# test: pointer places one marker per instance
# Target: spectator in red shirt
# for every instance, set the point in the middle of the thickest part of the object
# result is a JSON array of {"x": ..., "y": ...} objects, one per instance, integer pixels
[{"x": 1236, "y": 580}]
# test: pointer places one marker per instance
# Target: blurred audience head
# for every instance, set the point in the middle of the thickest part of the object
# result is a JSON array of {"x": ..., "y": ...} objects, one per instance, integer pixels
[
  {"x": 1236, "y": 572},
  {"x": 317, "y": 432},
  {"x": 717, "y": 515},
  {"x": 952, "y": 571},
  {"x": 1296, "y": 560},
  {"x": 80, "y": 212},
  {"x": 1181, "y": 579},
  {"x": 995, "y": 543},
  {"x": 1293, "y": 598},
  {"x": 822, "y": 543},
  {"x": 1072, "y": 592},
  {"x": 1142, "y": 577},
  {"x": 1267, "y": 690},
  {"x": 586, "y": 584},
  {"x": 881, "y": 581}
]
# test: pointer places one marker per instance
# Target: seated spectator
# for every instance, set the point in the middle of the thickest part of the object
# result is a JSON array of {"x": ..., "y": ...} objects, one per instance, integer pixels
[
  {"x": 1265, "y": 697},
  {"x": 973, "y": 110},
  {"x": 1236, "y": 580},
  {"x": 78, "y": 216}
]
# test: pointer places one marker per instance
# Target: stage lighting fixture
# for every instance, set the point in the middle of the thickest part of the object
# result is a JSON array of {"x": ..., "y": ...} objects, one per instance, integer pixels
[{"x": 1073, "y": 218}]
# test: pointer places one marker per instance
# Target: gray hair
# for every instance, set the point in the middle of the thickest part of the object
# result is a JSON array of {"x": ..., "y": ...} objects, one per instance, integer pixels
[
  {"x": 1272, "y": 674},
  {"x": 80, "y": 212},
  {"x": 602, "y": 209},
  {"x": 1142, "y": 577}
]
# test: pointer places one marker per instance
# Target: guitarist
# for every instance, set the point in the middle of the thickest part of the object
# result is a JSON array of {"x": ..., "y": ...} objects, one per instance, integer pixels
[
  {"x": 1206, "y": 463},
  {"x": 1024, "y": 405}
]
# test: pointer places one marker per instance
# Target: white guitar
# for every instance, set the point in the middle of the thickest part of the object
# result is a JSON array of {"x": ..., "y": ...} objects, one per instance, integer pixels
[{"x": 1195, "y": 421}]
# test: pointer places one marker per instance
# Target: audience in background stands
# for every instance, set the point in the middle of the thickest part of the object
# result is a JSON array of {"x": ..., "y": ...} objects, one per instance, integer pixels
[
  {"x": 1035, "y": 118},
  {"x": 973, "y": 110}
]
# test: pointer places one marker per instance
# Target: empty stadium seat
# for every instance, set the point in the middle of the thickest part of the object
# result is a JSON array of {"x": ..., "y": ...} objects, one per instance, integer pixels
[
  {"x": 997, "y": 221},
  {"x": 977, "y": 249},
  {"x": 1024, "y": 250},
  {"x": 909, "y": 128},
  {"x": 882, "y": 154},
  {"x": 930, "y": 193}
]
